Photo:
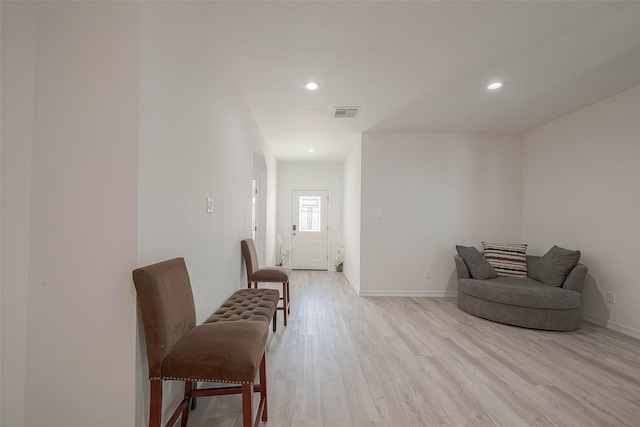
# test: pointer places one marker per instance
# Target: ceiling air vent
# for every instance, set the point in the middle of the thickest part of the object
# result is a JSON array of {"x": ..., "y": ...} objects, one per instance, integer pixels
[{"x": 346, "y": 112}]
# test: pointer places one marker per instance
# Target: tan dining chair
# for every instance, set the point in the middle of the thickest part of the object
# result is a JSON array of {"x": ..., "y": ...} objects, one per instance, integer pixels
[{"x": 274, "y": 274}]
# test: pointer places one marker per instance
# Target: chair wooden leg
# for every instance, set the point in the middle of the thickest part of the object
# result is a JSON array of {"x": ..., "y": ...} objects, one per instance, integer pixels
[
  {"x": 247, "y": 405},
  {"x": 194, "y": 401},
  {"x": 188, "y": 386},
  {"x": 263, "y": 385},
  {"x": 288, "y": 298},
  {"x": 249, "y": 284},
  {"x": 284, "y": 303},
  {"x": 155, "y": 403},
  {"x": 275, "y": 320}
]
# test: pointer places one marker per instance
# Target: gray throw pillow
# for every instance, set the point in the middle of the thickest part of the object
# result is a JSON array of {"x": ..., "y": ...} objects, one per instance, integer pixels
[
  {"x": 554, "y": 266},
  {"x": 478, "y": 266}
]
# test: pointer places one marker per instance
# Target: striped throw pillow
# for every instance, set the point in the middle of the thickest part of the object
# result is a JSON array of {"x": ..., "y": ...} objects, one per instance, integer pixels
[{"x": 508, "y": 259}]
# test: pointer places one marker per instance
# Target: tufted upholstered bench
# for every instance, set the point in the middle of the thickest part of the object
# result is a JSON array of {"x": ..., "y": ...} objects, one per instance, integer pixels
[
  {"x": 179, "y": 350},
  {"x": 248, "y": 304}
]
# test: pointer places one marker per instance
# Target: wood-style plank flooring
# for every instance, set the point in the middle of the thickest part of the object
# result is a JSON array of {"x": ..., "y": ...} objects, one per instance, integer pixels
[{"x": 345, "y": 360}]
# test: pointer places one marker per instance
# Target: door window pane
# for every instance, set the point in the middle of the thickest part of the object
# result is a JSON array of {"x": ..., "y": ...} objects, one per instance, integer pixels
[{"x": 310, "y": 213}]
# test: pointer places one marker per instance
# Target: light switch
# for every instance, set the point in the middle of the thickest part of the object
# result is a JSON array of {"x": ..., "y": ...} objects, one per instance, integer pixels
[
  {"x": 379, "y": 215},
  {"x": 209, "y": 205}
]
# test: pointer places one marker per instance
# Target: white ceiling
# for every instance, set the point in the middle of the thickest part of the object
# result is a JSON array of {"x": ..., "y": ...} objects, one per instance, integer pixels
[{"x": 420, "y": 66}]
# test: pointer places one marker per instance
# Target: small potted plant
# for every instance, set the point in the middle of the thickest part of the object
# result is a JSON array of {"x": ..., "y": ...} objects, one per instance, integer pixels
[{"x": 340, "y": 258}]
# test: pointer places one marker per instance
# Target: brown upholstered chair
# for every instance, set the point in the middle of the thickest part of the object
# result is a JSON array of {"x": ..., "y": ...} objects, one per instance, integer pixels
[
  {"x": 255, "y": 274},
  {"x": 177, "y": 349}
]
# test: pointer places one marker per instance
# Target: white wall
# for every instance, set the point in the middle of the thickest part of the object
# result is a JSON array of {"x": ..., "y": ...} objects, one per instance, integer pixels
[
  {"x": 311, "y": 176},
  {"x": 423, "y": 193},
  {"x": 352, "y": 191},
  {"x": 197, "y": 140},
  {"x": 581, "y": 186},
  {"x": 80, "y": 327},
  {"x": 18, "y": 54},
  {"x": 87, "y": 89}
]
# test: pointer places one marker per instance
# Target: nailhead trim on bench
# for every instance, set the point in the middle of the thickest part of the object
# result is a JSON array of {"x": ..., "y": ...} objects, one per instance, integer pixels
[{"x": 201, "y": 380}]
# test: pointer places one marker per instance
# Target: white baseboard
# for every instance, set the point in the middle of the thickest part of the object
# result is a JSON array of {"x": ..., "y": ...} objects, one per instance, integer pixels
[
  {"x": 394, "y": 293},
  {"x": 626, "y": 330},
  {"x": 353, "y": 285}
]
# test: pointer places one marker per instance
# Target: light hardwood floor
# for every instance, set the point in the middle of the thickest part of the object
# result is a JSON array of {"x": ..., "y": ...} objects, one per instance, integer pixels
[{"x": 346, "y": 360}]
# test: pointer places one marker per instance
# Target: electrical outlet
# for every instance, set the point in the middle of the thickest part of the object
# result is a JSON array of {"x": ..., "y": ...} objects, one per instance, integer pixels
[
  {"x": 427, "y": 275},
  {"x": 611, "y": 298}
]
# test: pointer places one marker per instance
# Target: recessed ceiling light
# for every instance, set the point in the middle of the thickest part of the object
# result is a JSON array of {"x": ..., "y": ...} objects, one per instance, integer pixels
[
  {"x": 495, "y": 85},
  {"x": 311, "y": 85},
  {"x": 311, "y": 150}
]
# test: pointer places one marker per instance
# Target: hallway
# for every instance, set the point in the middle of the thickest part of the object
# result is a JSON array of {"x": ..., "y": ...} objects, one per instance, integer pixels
[{"x": 346, "y": 360}]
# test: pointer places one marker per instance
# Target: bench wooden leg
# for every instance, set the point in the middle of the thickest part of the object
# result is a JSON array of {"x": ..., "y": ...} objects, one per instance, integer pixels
[
  {"x": 155, "y": 403},
  {"x": 263, "y": 386},
  {"x": 247, "y": 405}
]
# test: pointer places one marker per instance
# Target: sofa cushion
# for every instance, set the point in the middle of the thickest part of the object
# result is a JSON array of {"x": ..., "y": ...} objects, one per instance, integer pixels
[
  {"x": 478, "y": 266},
  {"x": 521, "y": 292},
  {"x": 554, "y": 266},
  {"x": 508, "y": 259}
]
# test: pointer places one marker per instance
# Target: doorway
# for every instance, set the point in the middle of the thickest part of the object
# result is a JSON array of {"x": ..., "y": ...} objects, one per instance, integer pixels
[
  {"x": 254, "y": 210},
  {"x": 310, "y": 230}
]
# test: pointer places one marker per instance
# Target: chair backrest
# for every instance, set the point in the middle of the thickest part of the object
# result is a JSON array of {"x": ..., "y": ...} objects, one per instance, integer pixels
[
  {"x": 250, "y": 257},
  {"x": 166, "y": 303}
]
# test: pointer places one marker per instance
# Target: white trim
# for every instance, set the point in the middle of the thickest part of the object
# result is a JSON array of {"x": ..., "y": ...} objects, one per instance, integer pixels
[
  {"x": 428, "y": 294},
  {"x": 614, "y": 326},
  {"x": 353, "y": 285},
  {"x": 626, "y": 330}
]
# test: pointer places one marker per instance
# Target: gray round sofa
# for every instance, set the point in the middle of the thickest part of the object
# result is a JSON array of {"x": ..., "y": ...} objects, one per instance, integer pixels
[{"x": 523, "y": 301}]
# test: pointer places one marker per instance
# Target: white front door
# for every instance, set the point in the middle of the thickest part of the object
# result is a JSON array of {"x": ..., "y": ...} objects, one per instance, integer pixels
[{"x": 310, "y": 230}]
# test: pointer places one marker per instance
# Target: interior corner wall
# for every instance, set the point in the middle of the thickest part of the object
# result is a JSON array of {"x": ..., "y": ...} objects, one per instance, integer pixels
[
  {"x": 352, "y": 194},
  {"x": 581, "y": 181},
  {"x": 197, "y": 139},
  {"x": 271, "y": 203},
  {"x": 80, "y": 317},
  {"x": 18, "y": 79},
  {"x": 311, "y": 176},
  {"x": 423, "y": 193}
]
